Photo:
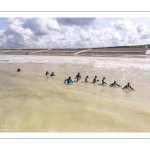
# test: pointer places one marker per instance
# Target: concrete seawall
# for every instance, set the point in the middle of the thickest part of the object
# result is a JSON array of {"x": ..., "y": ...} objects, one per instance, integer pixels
[{"x": 80, "y": 52}]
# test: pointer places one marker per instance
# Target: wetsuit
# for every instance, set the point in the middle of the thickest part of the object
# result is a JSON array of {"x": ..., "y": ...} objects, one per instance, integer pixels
[
  {"x": 114, "y": 84},
  {"x": 103, "y": 81},
  {"x": 86, "y": 79},
  {"x": 78, "y": 76},
  {"x": 69, "y": 80},
  {"x": 18, "y": 70},
  {"x": 52, "y": 74},
  {"x": 95, "y": 80},
  {"x": 128, "y": 87},
  {"x": 47, "y": 73}
]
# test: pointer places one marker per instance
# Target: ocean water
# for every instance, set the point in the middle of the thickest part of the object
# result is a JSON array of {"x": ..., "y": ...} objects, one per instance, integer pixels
[{"x": 33, "y": 102}]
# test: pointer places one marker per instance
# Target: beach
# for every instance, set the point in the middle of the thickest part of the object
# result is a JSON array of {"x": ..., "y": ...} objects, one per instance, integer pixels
[{"x": 33, "y": 102}]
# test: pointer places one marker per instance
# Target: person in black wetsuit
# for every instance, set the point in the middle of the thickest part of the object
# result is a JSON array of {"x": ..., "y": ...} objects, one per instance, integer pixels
[
  {"x": 95, "y": 79},
  {"x": 18, "y": 69},
  {"x": 103, "y": 81},
  {"x": 114, "y": 84},
  {"x": 78, "y": 76},
  {"x": 52, "y": 74},
  {"x": 128, "y": 86},
  {"x": 46, "y": 73},
  {"x": 86, "y": 79}
]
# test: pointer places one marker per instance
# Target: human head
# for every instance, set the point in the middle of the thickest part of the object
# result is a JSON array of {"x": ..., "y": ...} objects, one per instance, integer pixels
[
  {"x": 114, "y": 81},
  {"x": 103, "y": 77},
  {"x": 128, "y": 83},
  {"x": 87, "y": 76},
  {"x": 69, "y": 77},
  {"x": 95, "y": 76}
]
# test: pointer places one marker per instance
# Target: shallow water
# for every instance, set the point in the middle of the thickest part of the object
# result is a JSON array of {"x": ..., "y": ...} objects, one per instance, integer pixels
[{"x": 32, "y": 102}]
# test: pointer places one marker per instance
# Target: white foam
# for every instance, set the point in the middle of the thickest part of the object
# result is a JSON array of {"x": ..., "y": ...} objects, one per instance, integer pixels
[{"x": 97, "y": 62}]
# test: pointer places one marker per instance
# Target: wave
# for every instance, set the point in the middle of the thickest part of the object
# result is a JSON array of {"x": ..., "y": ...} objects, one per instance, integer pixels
[{"x": 96, "y": 62}]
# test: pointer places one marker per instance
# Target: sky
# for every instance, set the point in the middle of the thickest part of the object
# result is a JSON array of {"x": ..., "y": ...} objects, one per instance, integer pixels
[{"x": 28, "y": 33}]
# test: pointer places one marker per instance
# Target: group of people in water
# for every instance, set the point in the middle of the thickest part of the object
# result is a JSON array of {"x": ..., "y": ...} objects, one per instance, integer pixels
[
  {"x": 95, "y": 80},
  {"x": 52, "y": 74}
]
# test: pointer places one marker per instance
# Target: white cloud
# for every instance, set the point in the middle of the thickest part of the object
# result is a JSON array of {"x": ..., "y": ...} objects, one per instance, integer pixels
[
  {"x": 18, "y": 36},
  {"x": 143, "y": 31},
  {"x": 56, "y": 33},
  {"x": 2, "y": 38},
  {"x": 140, "y": 27},
  {"x": 2, "y": 32},
  {"x": 41, "y": 26},
  {"x": 123, "y": 25},
  {"x": 84, "y": 35},
  {"x": 15, "y": 21}
]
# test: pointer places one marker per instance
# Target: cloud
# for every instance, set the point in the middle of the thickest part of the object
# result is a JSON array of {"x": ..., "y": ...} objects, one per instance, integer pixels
[
  {"x": 72, "y": 32},
  {"x": 131, "y": 33},
  {"x": 2, "y": 38},
  {"x": 15, "y": 21},
  {"x": 122, "y": 24},
  {"x": 140, "y": 27},
  {"x": 143, "y": 31},
  {"x": 76, "y": 21},
  {"x": 1, "y": 32},
  {"x": 41, "y": 26},
  {"x": 84, "y": 35},
  {"x": 17, "y": 36}
]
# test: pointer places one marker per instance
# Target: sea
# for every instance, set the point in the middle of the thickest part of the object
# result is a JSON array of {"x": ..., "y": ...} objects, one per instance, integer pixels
[{"x": 30, "y": 101}]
